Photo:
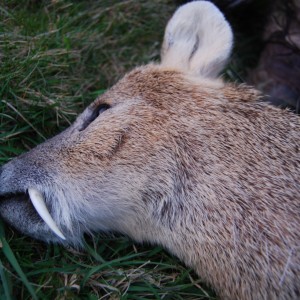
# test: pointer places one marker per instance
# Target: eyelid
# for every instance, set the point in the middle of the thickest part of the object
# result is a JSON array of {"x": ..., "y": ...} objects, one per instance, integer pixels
[
  {"x": 102, "y": 107},
  {"x": 95, "y": 112}
]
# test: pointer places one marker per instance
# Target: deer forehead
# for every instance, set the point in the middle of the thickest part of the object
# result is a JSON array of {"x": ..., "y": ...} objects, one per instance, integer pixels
[
  {"x": 166, "y": 89},
  {"x": 161, "y": 86}
]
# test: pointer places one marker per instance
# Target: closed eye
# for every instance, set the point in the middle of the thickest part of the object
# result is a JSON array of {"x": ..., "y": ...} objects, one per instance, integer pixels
[
  {"x": 95, "y": 114},
  {"x": 99, "y": 110}
]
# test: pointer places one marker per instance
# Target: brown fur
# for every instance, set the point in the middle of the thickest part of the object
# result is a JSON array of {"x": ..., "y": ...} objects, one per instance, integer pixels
[
  {"x": 202, "y": 168},
  {"x": 233, "y": 213}
]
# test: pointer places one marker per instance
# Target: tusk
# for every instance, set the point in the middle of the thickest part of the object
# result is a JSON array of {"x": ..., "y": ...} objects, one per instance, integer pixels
[{"x": 38, "y": 202}]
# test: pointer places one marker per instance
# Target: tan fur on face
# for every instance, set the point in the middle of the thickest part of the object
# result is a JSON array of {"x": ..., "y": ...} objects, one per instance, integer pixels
[
  {"x": 182, "y": 160},
  {"x": 218, "y": 186}
]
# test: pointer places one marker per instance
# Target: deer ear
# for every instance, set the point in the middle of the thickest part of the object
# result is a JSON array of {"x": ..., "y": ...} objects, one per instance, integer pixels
[{"x": 198, "y": 40}]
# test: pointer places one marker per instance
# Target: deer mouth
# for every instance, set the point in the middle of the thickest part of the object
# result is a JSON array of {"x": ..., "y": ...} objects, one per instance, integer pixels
[
  {"x": 32, "y": 201},
  {"x": 14, "y": 196}
]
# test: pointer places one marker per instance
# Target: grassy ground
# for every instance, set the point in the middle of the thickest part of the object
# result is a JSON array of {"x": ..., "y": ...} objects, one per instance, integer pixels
[{"x": 56, "y": 57}]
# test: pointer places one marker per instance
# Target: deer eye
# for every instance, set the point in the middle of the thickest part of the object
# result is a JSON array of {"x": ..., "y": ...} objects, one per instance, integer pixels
[
  {"x": 95, "y": 114},
  {"x": 100, "y": 109}
]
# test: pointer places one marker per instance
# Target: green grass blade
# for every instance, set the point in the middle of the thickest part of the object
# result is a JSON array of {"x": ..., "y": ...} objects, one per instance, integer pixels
[
  {"x": 5, "y": 283},
  {"x": 108, "y": 264},
  {"x": 93, "y": 253},
  {"x": 13, "y": 261}
]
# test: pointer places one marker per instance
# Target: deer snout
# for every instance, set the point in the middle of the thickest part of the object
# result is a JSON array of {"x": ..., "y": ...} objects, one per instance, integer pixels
[{"x": 22, "y": 201}]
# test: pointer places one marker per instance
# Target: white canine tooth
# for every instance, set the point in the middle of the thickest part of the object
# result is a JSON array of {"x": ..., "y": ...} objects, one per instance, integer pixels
[{"x": 38, "y": 202}]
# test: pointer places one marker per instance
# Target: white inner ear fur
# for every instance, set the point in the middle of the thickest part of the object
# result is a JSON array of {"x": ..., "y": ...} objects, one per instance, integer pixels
[{"x": 198, "y": 40}]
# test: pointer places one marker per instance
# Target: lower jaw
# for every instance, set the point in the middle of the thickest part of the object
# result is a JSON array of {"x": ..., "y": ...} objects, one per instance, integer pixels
[{"x": 17, "y": 211}]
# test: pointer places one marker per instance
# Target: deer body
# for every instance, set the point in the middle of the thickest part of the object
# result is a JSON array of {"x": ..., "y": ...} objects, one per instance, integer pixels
[{"x": 178, "y": 158}]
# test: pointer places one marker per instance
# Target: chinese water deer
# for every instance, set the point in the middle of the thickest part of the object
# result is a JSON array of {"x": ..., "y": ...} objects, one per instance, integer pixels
[{"x": 174, "y": 156}]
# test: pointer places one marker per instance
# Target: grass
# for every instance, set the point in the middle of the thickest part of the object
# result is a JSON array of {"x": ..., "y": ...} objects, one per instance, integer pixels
[{"x": 56, "y": 57}]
